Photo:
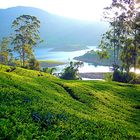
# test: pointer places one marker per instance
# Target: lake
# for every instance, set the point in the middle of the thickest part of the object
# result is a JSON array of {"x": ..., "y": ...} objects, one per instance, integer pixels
[{"x": 48, "y": 54}]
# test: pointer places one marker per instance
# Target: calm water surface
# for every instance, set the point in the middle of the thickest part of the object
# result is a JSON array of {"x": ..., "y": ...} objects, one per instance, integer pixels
[{"x": 48, "y": 54}]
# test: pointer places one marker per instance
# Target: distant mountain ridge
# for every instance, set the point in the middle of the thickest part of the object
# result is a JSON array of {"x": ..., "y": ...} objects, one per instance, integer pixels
[{"x": 57, "y": 31}]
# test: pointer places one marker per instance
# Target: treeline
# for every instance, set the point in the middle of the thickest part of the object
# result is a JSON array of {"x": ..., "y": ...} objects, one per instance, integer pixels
[
  {"x": 20, "y": 53},
  {"x": 123, "y": 36},
  {"x": 17, "y": 49}
]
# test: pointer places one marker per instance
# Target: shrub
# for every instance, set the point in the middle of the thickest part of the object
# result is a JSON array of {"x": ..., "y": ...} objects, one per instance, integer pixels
[
  {"x": 108, "y": 76},
  {"x": 34, "y": 64},
  {"x": 71, "y": 72},
  {"x": 49, "y": 70},
  {"x": 135, "y": 78},
  {"x": 121, "y": 76},
  {"x": 124, "y": 77}
]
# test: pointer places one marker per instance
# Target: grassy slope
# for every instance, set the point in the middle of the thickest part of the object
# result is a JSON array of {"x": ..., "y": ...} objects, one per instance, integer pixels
[{"x": 45, "y": 107}]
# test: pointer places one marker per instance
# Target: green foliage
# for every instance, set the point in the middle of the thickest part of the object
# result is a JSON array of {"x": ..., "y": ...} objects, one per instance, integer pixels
[
  {"x": 49, "y": 70},
  {"x": 121, "y": 76},
  {"x": 124, "y": 33},
  {"x": 108, "y": 76},
  {"x": 95, "y": 57},
  {"x": 135, "y": 78},
  {"x": 33, "y": 64},
  {"x": 103, "y": 54},
  {"x": 26, "y": 36},
  {"x": 125, "y": 77},
  {"x": 45, "y": 107},
  {"x": 4, "y": 50},
  {"x": 71, "y": 72},
  {"x": 12, "y": 61}
]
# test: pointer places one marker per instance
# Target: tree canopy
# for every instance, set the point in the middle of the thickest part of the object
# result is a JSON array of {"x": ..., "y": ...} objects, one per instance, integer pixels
[
  {"x": 26, "y": 36},
  {"x": 123, "y": 37}
]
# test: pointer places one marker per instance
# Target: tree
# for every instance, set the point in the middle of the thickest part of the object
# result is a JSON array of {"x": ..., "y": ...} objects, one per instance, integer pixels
[
  {"x": 11, "y": 61},
  {"x": 26, "y": 36},
  {"x": 106, "y": 45},
  {"x": 124, "y": 33},
  {"x": 4, "y": 50},
  {"x": 71, "y": 72},
  {"x": 34, "y": 64}
]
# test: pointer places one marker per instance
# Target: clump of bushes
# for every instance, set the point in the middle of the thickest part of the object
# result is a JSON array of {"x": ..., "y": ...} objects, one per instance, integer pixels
[
  {"x": 136, "y": 79},
  {"x": 71, "y": 72},
  {"x": 33, "y": 64},
  {"x": 121, "y": 76},
  {"x": 108, "y": 76},
  {"x": 124, "y": 77},
  {"x": 49, "y": 70}
]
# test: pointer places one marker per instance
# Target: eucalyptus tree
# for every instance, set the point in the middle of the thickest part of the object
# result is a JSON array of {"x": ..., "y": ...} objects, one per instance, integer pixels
[
  {"x": 26, "y": 36},
  {"x": 107, "y": 46},
  {"x": 132, "y": 29},
  {"x": 111, "y": 40},
  {"x": 124, "y": 20}
]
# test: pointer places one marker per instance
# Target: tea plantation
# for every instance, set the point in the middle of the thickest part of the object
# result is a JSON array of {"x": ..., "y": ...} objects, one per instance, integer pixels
[{"x": 36, "y": 105}]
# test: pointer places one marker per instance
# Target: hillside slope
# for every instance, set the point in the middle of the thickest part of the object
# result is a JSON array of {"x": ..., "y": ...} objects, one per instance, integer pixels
[
  {"x": 57, "y": 31},
  {"x": 36, "y": 105}
]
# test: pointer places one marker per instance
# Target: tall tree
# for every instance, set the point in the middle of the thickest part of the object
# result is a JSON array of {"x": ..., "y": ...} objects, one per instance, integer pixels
[
  {"x": 26, "y": 36},
  {"x": 124, "y": 20}
]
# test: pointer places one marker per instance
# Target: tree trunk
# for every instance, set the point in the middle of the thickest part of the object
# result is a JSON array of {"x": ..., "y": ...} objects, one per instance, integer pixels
[
  {"x": 135, "y": 53},
  {"x": 23, "y": 57},
  {"x": 114, "y": 43}
]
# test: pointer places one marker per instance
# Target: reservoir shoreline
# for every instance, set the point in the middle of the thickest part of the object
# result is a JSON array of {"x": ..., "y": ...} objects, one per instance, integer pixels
[{"x": 94, "y": 75}]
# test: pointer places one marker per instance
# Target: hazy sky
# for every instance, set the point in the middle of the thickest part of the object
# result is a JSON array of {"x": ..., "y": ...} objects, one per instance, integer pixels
[{"x": 79, "y": 9}]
